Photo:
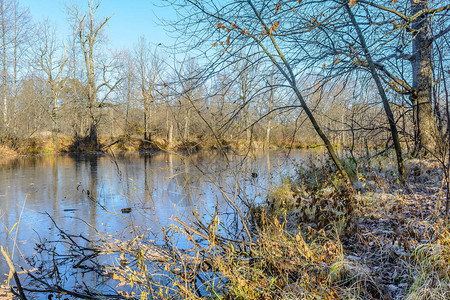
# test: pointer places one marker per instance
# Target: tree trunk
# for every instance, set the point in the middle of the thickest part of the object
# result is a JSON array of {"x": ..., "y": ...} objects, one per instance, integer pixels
[
  {"x": 269, "y": 123},
  {"x": 92, "y": 98},
  {"x": 54, "y": 125},
  {"x": 269, "y": 126},
  {"x": 127, "y": 110},
  {"x": 15, "y": 92},
  {"x": 93, "y": 122},
  {"x": 170, "y": 135},
  {"x": 112, "y": 124},
  {"x": 186, "y": 125},
  {"x": 147, "y": 120},
  {"x": 4, "y": 75},
  {"x": 246, "y": 126},
  {"x": 93, "y": 134},
  {"x": 427, "y": 137}
]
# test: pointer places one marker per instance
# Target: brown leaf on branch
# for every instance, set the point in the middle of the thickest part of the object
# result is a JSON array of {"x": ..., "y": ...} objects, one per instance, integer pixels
[
  {"x": 277, "y": 8},
  {"x": 274, "y": 27},
  {"x": 352, "y": 3}
]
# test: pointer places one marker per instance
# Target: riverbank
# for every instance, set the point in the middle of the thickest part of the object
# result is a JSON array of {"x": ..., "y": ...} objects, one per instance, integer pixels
[
  {"x": 124, "y": 144},
  {"x": 396, "y": 244}
]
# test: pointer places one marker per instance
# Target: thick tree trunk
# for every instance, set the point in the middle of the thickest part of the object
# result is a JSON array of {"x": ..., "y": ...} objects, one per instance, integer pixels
[
  {"x": 147, "y": 120},
  {"x": 93, "y": 134},
  {"x": 145, "y": 124},
  {"x": 427, "y": 137}
]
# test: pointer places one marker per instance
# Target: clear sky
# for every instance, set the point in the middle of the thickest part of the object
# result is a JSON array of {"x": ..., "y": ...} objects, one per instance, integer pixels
[{"x": 130, "y": 19}]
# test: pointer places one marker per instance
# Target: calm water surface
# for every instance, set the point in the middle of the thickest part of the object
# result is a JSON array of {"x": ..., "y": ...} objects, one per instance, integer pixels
[{"x": 76, "y": 190}]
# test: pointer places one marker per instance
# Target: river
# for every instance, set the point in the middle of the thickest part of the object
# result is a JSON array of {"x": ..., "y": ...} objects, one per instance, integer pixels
[{"x": 116, "y": 193}]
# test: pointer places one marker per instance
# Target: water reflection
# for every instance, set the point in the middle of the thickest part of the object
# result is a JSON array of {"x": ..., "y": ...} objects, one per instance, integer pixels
[{"x": 95, "y": 188}]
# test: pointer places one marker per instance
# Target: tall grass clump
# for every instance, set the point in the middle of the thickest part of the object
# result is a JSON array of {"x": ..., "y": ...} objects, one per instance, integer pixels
[
  {"x": 283, "y": 265},
  {"x": 316, "y": 197},
  {"x": 431, "y": 269}
]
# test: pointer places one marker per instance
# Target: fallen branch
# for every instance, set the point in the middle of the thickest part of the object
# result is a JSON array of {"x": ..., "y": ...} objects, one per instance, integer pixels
[
  {"x": 60, "y": 290},
  {"x": 12, "y": 269}
]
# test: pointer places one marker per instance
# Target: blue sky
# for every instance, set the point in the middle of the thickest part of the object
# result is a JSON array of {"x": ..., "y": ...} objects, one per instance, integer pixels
[{"x": 131, "y": 19}]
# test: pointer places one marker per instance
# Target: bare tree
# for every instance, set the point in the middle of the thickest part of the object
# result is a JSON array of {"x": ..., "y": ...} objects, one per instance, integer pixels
[
  {"x": 22, "y": 31},
  {"x": 88, "y": 31},
  {"x": 148, "y": 67},
  {"x": 128, "y": 89},
  {"x": 400, "y": 37},
  {"x": 15, "y": 28},
  {"x": 5, "y": 11},
  {"x": 381, "y": 91},
  {"x": 52, "y": 61},
  {"x": 234, "y": 26}
]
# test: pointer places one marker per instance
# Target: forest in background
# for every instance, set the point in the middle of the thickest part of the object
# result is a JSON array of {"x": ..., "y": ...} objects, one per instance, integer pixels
[{"x": 64, "y": 93}]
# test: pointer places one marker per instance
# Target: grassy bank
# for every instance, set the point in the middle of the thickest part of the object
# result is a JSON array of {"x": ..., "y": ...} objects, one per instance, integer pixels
[{"x": 394, "y": 243}]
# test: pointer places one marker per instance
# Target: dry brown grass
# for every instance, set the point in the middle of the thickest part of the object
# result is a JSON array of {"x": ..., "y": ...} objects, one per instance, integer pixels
[
  {"x": 43, "y": 144},
  {"x": 5, "y": 294},
  {"x": 6, "y": 152},
  {"x": 431, "y": 269}
]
